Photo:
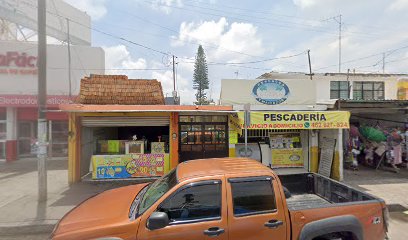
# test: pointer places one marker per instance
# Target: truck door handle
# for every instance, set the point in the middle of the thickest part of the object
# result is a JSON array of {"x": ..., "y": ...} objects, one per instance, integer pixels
[
  {"x": 214, "y": 231},
  {"x": 273, "y": 223}
]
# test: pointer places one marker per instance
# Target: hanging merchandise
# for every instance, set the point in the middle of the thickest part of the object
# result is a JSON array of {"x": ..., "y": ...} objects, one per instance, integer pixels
[
  {"x": 373, "y": 134},
  {"x": 355, "y": 151},
  {"x": 354, "y": 131}
]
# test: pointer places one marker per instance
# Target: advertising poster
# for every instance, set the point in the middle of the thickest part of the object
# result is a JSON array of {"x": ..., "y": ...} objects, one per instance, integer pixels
[
  {"x": 129, "y": 165},
  {"x": 287, "y": 157}
]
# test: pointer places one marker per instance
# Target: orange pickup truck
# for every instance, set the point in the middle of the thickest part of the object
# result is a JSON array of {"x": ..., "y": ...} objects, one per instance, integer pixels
[{"x": 228, "y": 198}]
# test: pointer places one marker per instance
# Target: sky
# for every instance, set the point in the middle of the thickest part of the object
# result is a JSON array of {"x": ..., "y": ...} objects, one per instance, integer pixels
[{"x": 244, "y": 39}]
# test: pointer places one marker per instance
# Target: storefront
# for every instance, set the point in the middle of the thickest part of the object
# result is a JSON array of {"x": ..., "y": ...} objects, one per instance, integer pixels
[
  {"x": 292, "y": 139},
  {"x": 117, "y": 141},
  {"x": 120, "y": 128},
  {"x": 18, "y": 95},
  {"x": 288, "y": 130}
]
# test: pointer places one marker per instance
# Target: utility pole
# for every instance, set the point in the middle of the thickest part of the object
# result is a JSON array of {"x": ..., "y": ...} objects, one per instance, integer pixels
[
  {"x": 383, "y": 63},
  {"x": 348, "y": 84},
  {"x": 69, "y": 60},
  {"x": 310, "y": 65},
  {"x": 340, "y": 26},
  {"x": 175, "y": 100},
  {"x": 42, "y": 101},
  {"x": 339, "y": 21}
]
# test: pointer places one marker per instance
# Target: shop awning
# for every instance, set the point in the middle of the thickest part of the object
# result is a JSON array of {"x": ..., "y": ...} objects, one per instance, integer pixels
[
  {"x": 298, "y": 120},
  {"x": 84, "y": 108},
  {"x": 125, "y": 122}
]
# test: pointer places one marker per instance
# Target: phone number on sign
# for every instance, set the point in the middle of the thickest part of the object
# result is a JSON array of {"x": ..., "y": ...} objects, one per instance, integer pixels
[{"x": 330, "y": 125}]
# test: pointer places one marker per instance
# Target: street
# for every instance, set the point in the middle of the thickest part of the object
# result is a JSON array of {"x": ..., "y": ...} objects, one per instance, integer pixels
[{"x": 63, "y": 197}]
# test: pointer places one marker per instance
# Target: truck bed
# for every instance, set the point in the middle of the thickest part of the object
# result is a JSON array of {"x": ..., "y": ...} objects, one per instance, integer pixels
[{"x": 310, "y": 190}]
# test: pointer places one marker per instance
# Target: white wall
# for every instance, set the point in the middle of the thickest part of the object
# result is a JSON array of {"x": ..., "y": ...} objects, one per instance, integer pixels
[
  {"x": 84, "y": 61},
  {"x": 323, "y": 85},
  {"x": 323, "y": 82}
]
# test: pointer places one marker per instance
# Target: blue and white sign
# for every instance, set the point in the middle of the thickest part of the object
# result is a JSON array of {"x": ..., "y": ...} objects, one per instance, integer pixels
[{"x": 271, "y": 92}]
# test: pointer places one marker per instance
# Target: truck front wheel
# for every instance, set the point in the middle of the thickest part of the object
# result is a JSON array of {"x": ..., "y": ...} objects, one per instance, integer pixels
[{"x": 337, "y": 236}]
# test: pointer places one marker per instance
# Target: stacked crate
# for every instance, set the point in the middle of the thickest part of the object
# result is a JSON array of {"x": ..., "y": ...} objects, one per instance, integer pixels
[{"x": 118, "y": 89}]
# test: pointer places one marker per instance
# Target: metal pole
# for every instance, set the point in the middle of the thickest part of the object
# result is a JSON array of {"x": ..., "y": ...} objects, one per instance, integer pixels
[
  {"x": 246, "y": 133},
  {"x": 69, "y": 60},
  {"x": 42, "y": 95},
  {"x": 348, "y": 83},
  {"x": 383, "y": 66},
  {"x": 310, "y": 65},
  {"x": 340, "y": 44}
]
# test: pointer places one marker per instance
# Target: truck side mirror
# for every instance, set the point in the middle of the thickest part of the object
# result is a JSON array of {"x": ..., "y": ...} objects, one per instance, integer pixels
[{"x": 158, "y": 220}]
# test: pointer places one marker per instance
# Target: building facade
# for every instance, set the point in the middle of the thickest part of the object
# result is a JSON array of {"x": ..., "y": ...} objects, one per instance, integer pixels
[{"x": 18, "y": 94}]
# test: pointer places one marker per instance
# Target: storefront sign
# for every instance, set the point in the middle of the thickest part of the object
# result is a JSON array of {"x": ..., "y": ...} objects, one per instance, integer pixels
[
  {"x": 287, "y": 157},
  {"x": 298, "y": 120},
  {"x": 129, "y": 165},
  {"x": 31, "y": 100},
  {"x": 268, "y": 92},
  {"x": 271, "y": 92}
]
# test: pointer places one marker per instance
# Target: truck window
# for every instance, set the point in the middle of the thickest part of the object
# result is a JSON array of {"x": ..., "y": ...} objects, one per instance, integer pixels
[
  {"x": 156, "y": 190},
  {"x": 252, "y": 196},
  {"x": 199, "y": 201}
]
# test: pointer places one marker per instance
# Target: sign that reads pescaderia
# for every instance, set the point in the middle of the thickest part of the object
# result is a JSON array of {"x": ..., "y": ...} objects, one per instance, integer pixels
[{"x": 298, "y": 120}]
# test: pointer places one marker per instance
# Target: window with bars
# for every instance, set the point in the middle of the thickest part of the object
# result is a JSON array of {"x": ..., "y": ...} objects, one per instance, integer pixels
[
  {"x": 339, "y": 90},
  {"x": 368, "y": 90}
]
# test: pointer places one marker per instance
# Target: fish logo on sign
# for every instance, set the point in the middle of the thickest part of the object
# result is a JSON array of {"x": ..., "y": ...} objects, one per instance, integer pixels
[{"x": 270, "y": 92}]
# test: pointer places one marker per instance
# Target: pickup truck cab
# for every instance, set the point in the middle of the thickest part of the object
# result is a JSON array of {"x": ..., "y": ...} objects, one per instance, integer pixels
[{"x": 228, "y": 198}]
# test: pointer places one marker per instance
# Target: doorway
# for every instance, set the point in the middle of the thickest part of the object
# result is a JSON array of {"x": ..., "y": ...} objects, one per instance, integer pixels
[
  {"x": 203, "y": 137},
  {"x": 27, "y": 134}
]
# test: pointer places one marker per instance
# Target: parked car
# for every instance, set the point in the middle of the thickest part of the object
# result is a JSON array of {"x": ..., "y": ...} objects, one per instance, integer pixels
[{"x": 228, "y": 198}]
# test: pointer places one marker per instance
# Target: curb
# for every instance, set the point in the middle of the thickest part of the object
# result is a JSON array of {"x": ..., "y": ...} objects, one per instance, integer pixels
[{"x": 27, "y": 228}]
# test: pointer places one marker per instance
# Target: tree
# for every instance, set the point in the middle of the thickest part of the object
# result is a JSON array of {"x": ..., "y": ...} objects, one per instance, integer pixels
[{"x": 200, "y": 77}]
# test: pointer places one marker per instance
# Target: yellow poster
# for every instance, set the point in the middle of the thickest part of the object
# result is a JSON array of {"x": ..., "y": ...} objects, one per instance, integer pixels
[
  {"x": 298, "y": 120},
  {"x": 113, "y": 146},
  {"x": 287, "y": 157},
  {"x": 234, "y": 122},
  {"x": 233, "y": 137},
  {"x": 402, "y": 89},
  {"x": 129, "y": 165}
]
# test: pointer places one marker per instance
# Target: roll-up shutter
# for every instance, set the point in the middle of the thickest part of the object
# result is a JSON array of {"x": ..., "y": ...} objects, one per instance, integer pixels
[{"x": 125, "y": 121}]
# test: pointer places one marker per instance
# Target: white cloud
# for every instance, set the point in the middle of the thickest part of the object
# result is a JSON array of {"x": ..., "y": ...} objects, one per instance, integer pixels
[
  {"x": 118, "y": 57},
  {"x": 304, "y": 3},
  {"x": 228, "y": 42},
  {"x": 399, "y": 5},
  {"x": 165, "y": 6},
  {"x": 184, "y": 86},
  {"x": 95, "y": 8}
]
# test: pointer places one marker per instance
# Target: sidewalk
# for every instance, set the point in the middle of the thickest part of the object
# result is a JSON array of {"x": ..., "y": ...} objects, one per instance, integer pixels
[
  {"x": 392, "y": 187},
  {"x": 19, "y": 210}
]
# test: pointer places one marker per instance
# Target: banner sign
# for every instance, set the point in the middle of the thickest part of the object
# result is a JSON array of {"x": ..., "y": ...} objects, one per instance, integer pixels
[
  {"x": 268, "y": 92},
  {"x": 298, "y": 120},
  {"x": 129, "y": 165},
  {"x": 287, "y": 157},
  {"x": 234, "y": 122}
]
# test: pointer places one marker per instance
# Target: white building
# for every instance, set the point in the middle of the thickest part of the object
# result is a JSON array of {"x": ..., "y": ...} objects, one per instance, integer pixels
[{"x": 18, "y": 73}]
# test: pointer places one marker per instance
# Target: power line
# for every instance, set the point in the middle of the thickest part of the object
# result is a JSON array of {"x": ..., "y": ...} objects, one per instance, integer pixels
[
  {"x": 242, "y": 19},
  {"x": 103, "y": 32},
  {"x": 251, "y": 62},
  {"x": 198, "y": 41}
]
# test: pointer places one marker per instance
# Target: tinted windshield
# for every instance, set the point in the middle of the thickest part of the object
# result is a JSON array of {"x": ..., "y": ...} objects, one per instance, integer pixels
[{"x": 157, "y": 189}]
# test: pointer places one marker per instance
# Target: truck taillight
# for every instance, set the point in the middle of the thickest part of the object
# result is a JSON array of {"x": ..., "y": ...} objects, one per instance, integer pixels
[{"x": 386, "y": 217}]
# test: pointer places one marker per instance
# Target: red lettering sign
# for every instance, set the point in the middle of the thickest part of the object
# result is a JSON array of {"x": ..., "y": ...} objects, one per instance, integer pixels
[{"x": 16, "y": 59}]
